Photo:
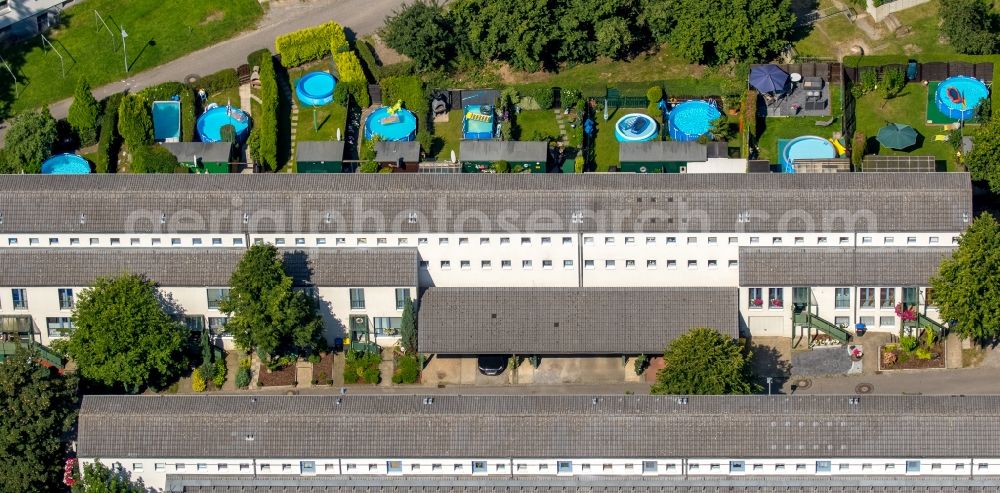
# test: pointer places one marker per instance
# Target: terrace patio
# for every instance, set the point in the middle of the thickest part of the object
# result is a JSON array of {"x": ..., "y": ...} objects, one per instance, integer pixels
[{"x": 808, "y": 97}]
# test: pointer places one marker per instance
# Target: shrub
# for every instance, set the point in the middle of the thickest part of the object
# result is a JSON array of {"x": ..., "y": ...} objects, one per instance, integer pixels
[
  {"x": 858, "y": 150},
  {"x": 83, "y": 113},
  {"x": 654, "y": 95},
  {"x": 267, "y": 120},
  {"x": 908, "y": 343},
  {"x": 368, "y": 59},
  {"x": 569, "y": 97},
  {"x": 306, "y": 45},
  {"x": 578, "y": 163},
  {"x": 219, "y": 378},
  {"x": 228, "y": 133},
  {"x": 135, "y": 122},
  {"x": 407, "y": 370},
  {"x": 397, "y": 69},
  {"x": 641, "y": 363},
  {"x": 544, "y": 96},
  {"x": 243, "y": 377},
  {"x": 344, "y": 92},
  {"x": 923, "y": 353},
  {"x": 198, "y": 383},
  {"x": 349, "y": 67},
  {"x": 425, "y": 139},
  {"x": 226, "y": 78},
  {"x": 750, "y": 115},
  {"x": 257, "y": 58},
  {"x": 109, "y": 141},
  {"x": 867, "y": 81},
  {"x": 30, "y": 139},
  {"x": 153, "y": 159},
  {"x": 984, "y": 111},
  {"x": 361, "y": 367}
]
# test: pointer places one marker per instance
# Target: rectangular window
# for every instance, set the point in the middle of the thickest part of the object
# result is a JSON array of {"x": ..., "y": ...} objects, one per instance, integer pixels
[
  {"x": 933, "y": 240},
  {"x": 737, "y": 466},
  {"x": 74, "y": 241},
  {"x": 609, "y": 264},
  {"x": 649, "y": 466},
  {"x": 799, "y": 240},
  {"x": 564, "y": 467},
  {"x": 712, "y": 240},
  {"x": 319, "y": 241},
  {"x": 867, "y": 321},
  {"x": 394, "y": 466},
  {"x": 357, "y": 298},
  {"x": 215, "y": 241},
  {"x": 59, "y": 326},
  {"x": 65, "y": 299},
  {"x": 929, "y": 298},
  {"x": 505, "y": 264},
  {"x": 842, "y": 298},
  {"x": 650, "y": 240},
  {"x": 194, "y": 322},
  {"x": 821, "y": 240},
  {"x": 464, "y": 264},
  {"x": 215, "y": 296},
  {"x": 525, "y": 240},
  {"x": 866, "y": 240},
  {"x": 756, "y": 297},
  {"x": 298, "y": 241},
  {"x": 866, "y": 297},
  {"x": 547, "y": 264},
  {"x": 217, "y": 326},
  {"x": 442, "y": 241},
  {"x": 888, "y": 297},
  {"x": 671, "y": 264},
  {"x": 775, "y": 297},
  {"x": 239, "y": 241},
  {"x": 546, "y": 240},
  {"x": 20, "y": 297},
  {"x": 776, "y": 240},
  {"x": 478, "y": 466},
  {"x": 887, "y": 321},
  {"x": 484, "y": 241},
  {"x": 160, "y": 466},
  {"x": 912, "y": 466},
  {"x": 567, "y": 264},
  {"x": 692, "y": 240},
  {"x": 486, "y": 265},
  {"x": 588, "y": 240},
  {"x": 888, "y": 240},
  {"x": 609, "y": 240},
  {"x": 526, "y": 264},
  {"x": 421, "y": 241},
  {"x": 588, "y": 264},
  {"x": 754, "y": 240},
  {"x": 630, "y": 240},
  {"x": 11, "y": 241},
  {"x": 650, "y": 264},
  {"x": 402, "y": 294},
  {"x": 911, "y": 240},
  {"x": 279, "y": 241},
  {"x": 445, "y": 265},
  {"x": 823, "y": 466},
  {"x": 733, "y": 240},
  {"x": 692, "y": 264},
  {"x": 841, "y": 321},
  {"x": 629, "y": 264},
  {"x": 567, "y": 240},
  {"x": 401, "y": 241},
  {"x": 671, "y": 240},
  {"x": 733, "y": 264},
  {"x": 713, "y": 264}
]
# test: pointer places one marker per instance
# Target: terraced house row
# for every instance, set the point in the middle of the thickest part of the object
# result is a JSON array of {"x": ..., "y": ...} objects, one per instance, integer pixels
[{"x": 508, "y": 264}]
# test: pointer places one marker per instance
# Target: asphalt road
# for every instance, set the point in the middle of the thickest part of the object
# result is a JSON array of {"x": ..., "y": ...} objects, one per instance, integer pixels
[{"x": 360, "y": 16}]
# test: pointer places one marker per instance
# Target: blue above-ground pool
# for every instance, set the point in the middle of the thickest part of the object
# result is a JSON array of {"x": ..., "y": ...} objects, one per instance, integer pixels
[
  {"x": 805, "y": 147},
  {"x": 957, "y": 97},
  {"x": 65, "y": 164},
  {"x": 167, "y": 121},
  {"x": 315, "y": 89},
  {"x": 477, "y": 122},
  {"x": 210, "y": 123},
  {"x": 636, "y": 127},
  {"x": 691, "y": 119},
  {"x": 401, "y": 127}
]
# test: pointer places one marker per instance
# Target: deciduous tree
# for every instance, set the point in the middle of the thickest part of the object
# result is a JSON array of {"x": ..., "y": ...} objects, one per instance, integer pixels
[
  {"x": 97, "y": 478},
  {"x": 971, "y": 25},
  {"x": 83, "y": 113},
  {"x": 135, "y": 122},
  {"x": 714, "y": 31},
  {"x": 37, "y": 408},
  {"x": 967, "y": 288},
  {"x": 984, "y": 160},
  {"x": 705, "y": 362},
  {"x": 422, "y": 31},
  {"x": 29, "y": 141},
  {"x": 124, "y": 337}
]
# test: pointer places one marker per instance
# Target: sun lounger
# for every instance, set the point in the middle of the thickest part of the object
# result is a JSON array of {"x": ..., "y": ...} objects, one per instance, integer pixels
[
  {"x": 826, "y": 123},
  {"x": 941, "y": 138}
]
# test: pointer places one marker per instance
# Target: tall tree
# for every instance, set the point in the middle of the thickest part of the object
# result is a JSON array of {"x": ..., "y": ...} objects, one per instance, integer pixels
[
  {"x": 984, "y": 160},
  {"x": 408, "y": 329},
  {"x": 83, "y": 113},
  {"x": 422, "y": 31},
  {"x": 135, "y": 122},
  {"x": 124, "y": 336},
  {"x": 266, "y": 314},
  {"x": 37, "y": 408},
  {"x": 717, "y": 31},
  {"x": 971, "y": 26},
  {"x": 967, "y": 288},
  {"x": 705, "y": 362},
  {"x": 30, "y": 140},
  {"x": 97, "y": 478}
]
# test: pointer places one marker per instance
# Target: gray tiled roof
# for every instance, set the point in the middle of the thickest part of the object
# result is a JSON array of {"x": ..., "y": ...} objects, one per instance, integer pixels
[
  {"x": 840, "y": 266},
  {"x": 207, "y": 426},
  {"x": 658, "y": 151},
  {"x": 212, "y": 152},
  {"x": 194, "y": 267},
  {"x": 386, "y": 152},
  {"x": 357, "y": 202},
  {"x": 319, "y": 150},
  {"x": 495, "y": 150},
  {"x": 569, "y": 320}
]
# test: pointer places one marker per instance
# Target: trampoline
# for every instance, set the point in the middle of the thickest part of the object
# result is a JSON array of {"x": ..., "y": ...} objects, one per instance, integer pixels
[
  {"x": 315, "y": 89},
  {"x": 65, "y": 164},
  {"x": 957, "y": 97},
  {"x": 167, "y": 121},
  {"x": 691, "y": 119},
  {"x": 398, "y": 127},
  {"x": 805, "y": 147},
  {"x": 210, "y": 123},
  {"x": 635, "y": 127}
]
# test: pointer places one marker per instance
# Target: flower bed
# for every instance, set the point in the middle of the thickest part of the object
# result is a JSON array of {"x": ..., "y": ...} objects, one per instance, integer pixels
[
  {"x": 284, "y": 376},
  {"x": 895, "y": 357},
  {"x": 323, "y": 371}
]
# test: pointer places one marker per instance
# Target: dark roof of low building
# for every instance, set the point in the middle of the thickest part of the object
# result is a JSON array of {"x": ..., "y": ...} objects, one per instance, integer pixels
[
  {"x": 463, "y": 426},
  {"x": 569, "y": 320},
  {"x": 658, "y": 151},
  {"x": 319, "y": 150},
  {"x": 195, "y": 267},
  {"x": 899, "y": 164},
  {"x": 212, "y": 152},
  {"x": 496, "y": 150},
  {"x": 364, "y": 203},
  {"x": 386, "y": 152},
  {"x": 833, "y": 165},
  {"x": 717, "y": 149},
  {"x": 840, "y": 266},
  {"x": 758, "y": 166}
]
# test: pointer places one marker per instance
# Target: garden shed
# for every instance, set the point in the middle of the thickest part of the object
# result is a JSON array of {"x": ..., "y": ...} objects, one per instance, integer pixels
[
  {"x": 325, "y": 156},
  {"x": 400, "y": 156},
  {"x": 660, "y": 157},
  {"x": 202, "y": 157},
  {"x": 479, "y": 156}
]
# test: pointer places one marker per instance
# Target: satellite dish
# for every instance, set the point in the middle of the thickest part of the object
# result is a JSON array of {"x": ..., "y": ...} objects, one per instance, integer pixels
[
  {"x": 338, "y": 134},
  {"x": 453, "y": 158}
]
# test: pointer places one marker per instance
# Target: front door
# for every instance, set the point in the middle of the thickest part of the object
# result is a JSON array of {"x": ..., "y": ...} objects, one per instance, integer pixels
[{"x": 359, "y": 329}]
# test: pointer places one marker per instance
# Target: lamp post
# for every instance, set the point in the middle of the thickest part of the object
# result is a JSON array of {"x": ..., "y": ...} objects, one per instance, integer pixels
[
  {"x": 124, "y": 50},
  {"x": 769, "y": 380}
]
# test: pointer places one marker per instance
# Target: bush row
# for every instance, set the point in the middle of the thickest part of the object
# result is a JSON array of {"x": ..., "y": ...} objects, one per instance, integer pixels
[
  {"x": 309, "y": 44},
  {"x": 367, "y": 56},
  {"x": 226, "y": 78},
  {"x": 264, "y": 136},
  {"x": 109, "y": 141},
  {"x": 352, "y": 77}
]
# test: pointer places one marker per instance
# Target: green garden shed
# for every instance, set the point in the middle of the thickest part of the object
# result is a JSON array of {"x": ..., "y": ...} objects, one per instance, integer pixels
[
  {"x": 202, "y": 157},
  {"x": 479, "y": 156},
  {"x": 323, "y": 156},
  {"x": 660, "y": 157}
]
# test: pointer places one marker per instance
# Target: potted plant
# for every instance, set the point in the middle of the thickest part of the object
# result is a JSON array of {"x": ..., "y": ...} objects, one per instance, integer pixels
[
  {"x": 776, "y": 303},
  {"x": 756, "y": 302},
  {"x": 906, "y": 314}
]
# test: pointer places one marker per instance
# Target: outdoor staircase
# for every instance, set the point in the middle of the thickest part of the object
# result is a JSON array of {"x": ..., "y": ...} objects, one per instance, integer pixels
[
  {"x": 931, "y": 324},
  {"x": 806, "y": 319},
  {"x": 44, "y": 355}
]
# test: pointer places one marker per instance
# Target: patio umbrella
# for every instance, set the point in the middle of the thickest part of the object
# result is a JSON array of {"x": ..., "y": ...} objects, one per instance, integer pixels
[
  {"x": 897, "y": 136},
  {"x": 768, "y": 78}
]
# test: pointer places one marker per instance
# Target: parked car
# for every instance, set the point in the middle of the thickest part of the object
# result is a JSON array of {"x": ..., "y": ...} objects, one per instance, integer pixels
[{"x": 492, "y": 364}]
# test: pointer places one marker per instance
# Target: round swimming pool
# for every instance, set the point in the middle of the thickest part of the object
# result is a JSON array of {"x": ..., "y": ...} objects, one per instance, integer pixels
[
  {"x": 315, "y": 89},
  {"x": 635, "y": 127},
  {"x": 210, "y": 123},
  {"x": 65, "y": 164},
  {"x": 806, "y": 147},
  {"x": 402, "y": 126},
  {"x": 691, "y": 119},
  {"x": 957, "y": 97}
]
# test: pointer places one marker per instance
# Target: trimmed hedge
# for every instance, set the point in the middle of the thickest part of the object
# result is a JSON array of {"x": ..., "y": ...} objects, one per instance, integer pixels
[
  {"x": 109, "y": 141},
  {"x": 153, "y": 159},
  {"x": 255, "y": 58},
  {"x": 226, "y": 78},
  {"x": 410, "y": 90},
  {"x": 367, "y": 56},
  {"x": 306, "y": 45},
  {"x": 165, "y": 92},
  {"x": 352, "y": 77},
  {"x": 266, "y": 126}
]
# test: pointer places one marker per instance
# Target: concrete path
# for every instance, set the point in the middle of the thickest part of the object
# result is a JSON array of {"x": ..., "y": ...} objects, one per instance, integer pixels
[{"x": 359, "y": 16}]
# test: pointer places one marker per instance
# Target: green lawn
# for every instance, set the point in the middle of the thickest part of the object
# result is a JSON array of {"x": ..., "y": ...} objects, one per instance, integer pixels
[
  {"x": 538, "y": 125},
  {"x": 606, "y": 147},
  {"x": 157, "y": 33},
  {"x": 789, "y": 127},
  {"x": 329, "y": 118},
  {"x": 910, "y": 108},
  {"x": 447, "y": 136},
  {"x": 229, "y": 96}
]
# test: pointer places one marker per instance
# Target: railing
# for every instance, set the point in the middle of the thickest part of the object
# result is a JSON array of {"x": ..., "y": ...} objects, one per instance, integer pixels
[
  {"x": 807, "y": 319},
  {"x": 44, "y": 354}
]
